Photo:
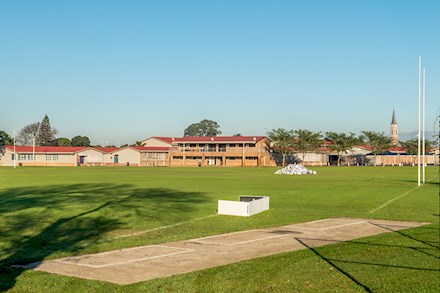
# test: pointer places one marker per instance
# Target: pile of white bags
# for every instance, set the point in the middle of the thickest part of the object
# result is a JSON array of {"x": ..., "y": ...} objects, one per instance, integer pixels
[{"x": 295, "y": 169}]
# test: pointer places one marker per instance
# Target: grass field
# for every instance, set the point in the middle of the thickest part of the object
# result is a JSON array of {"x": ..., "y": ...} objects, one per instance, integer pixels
[{"x": 48, "y": 213}]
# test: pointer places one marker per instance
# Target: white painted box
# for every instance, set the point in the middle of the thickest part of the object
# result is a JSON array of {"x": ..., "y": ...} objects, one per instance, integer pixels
[{"x": 247, "y": 206}]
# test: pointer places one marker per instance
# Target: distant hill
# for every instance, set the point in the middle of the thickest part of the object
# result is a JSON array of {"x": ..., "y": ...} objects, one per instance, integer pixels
[{"x": 429, "y": 135}]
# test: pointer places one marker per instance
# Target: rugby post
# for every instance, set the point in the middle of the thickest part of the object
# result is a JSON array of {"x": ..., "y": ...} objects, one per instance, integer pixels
[
  {"x": 423, "y": 126},
  {"x": 15, "y": 153},
  {"x": 418, "y": 127}
]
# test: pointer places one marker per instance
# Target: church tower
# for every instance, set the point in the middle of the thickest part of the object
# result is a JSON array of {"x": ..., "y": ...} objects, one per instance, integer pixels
[{"x": 394, "y": 133}]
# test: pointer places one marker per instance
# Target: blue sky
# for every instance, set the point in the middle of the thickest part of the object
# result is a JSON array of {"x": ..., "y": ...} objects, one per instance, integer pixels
[{"x": 121, "y": 71}]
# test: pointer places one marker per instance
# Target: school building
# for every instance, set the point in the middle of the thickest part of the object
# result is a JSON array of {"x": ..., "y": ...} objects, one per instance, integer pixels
[
  {"x": 229, "y": 151},
  {"x": 84, "y": 156},
  {"x": 225, "y": 151}
]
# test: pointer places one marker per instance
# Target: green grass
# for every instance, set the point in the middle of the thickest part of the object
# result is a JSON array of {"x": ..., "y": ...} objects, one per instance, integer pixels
[{"x": 48, "y": 213}]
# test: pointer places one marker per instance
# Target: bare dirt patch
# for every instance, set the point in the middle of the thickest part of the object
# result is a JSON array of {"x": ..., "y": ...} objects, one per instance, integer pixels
[{"x": 132, "y": 265}]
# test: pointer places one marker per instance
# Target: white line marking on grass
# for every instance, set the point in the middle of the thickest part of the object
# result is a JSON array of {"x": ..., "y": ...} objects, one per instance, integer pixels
[
  {"x": 396, "y": 198},
  {"x": 154, "y": 229}
]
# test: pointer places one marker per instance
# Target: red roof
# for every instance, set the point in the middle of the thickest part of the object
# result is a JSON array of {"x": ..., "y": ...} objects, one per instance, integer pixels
[
  {"x": 367, "y": 147},
  {"x": 45, "y": 149},
  {"x": 325, "y": 149},
  {"x": 165, "y": 139},
  {"x": 397, "y": 149},
  {"x": 207, "y": 139}
]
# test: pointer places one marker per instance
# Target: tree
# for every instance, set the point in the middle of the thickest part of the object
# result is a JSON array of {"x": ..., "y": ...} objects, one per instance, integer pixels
[
  {"x": 46, "y": 135},
  {"x": 306, "y": 141},
  {"x": 6, "y": 139},
  {"x": 281, "y": 142},
  {"x": 203, "y": 128},
  {"x": 139, "y": 143},
  {"x": 2, "y": 145},
  {"x": 63, "y": 141},
  {"x": 411, "y": 147},
  {"x": 28, "y": 133},
  {"x": 378, "y": 142},
  {"x": 80, "y": 141},
  {"x": 341, "y": 142}
]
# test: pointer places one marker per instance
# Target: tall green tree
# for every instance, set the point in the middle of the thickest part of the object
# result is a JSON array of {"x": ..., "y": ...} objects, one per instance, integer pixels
[
  {"x": 80, "y": 141},
  {"x": 46, "y": 135},
  {"x": 203, "y": 128},
  {"x": 378, "y": 142},
  {"x": 341, "y": 143},
  {"x": 281, "y": 142},
  {"x": 6, "y": 139},
  {"x": 306, "y": 141}
]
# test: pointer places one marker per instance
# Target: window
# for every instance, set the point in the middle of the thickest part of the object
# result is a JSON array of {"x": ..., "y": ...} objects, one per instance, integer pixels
[
  {"x": 233, "y": 158},
  {"x": 193, "y": 158},
  {"x": 12, "y": 157},
  {"x": 192, "y": 145},
  {"x": 55, "y": 157},
  {"x": 222, "y": 147},
  {"x": 251, "y": 158},
  {"x": 48, "y": 157},
  {"x": 22, "y": 157},
  {"x": 154, "y": 156},
  {"x": 177, "y": 158},
  {"x": 30, "y": 157},
  {"x": 232, "y": 145}
]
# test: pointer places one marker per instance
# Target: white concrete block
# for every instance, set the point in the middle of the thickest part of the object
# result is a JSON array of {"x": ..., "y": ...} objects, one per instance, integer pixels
[{"x": 247, "y": 206}]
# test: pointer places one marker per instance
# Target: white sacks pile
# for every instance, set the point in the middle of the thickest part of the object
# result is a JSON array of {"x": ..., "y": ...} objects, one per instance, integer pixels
[{"x": 295, "y": 169}]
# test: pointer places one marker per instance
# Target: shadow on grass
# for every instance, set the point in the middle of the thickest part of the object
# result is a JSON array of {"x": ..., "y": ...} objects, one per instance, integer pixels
[
  {"x": 332, "y": 263},
  {"x": 40, "y": 221},
  {"x": 415, "y": 182},
  {"x": 422, "y": 246}
]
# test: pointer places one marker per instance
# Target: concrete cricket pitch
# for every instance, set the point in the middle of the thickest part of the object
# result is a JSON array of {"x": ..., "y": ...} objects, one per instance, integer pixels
[{"x": 132, "y": 265}]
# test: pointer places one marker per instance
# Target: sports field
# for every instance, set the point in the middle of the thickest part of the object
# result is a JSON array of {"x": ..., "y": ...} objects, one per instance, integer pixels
[{"x": 47, "y": 213}]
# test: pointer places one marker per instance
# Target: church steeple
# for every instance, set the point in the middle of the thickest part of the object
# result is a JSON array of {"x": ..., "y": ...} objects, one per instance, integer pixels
[{"x": 394, "y": 133}]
